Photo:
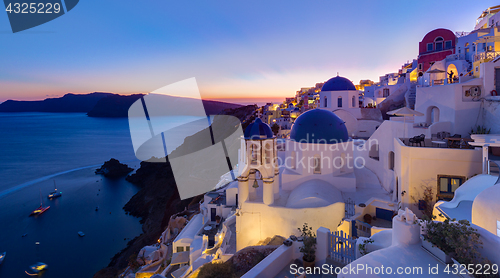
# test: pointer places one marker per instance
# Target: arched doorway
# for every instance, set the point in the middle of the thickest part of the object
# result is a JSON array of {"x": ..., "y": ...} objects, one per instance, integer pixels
[
  {"x": 432, "y": 115},
  {"x": 452, "y": 68}
]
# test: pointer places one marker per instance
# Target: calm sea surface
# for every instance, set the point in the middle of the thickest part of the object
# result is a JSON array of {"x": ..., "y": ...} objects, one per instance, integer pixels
[{"x": 35, "y": 150}]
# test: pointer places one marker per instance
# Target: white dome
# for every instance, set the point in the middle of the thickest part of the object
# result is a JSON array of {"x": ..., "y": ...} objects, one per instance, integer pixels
[
  {"x": 314, "y": 194},
  {"x": 486, "y": 209}
]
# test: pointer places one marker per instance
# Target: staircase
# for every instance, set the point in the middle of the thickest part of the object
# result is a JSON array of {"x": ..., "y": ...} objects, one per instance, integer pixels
[
  {"x": 394, "y": 101},
  {"x": 411, "y": 96}
]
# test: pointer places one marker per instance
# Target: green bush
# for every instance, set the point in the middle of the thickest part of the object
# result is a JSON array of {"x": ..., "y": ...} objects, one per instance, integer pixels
[
  {"x": 217, "y": 270},
  {"x": 479, "y": 130}
]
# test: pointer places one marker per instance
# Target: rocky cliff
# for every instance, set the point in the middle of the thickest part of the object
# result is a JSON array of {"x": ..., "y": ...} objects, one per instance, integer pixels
[{"x": 156, "y": 201}]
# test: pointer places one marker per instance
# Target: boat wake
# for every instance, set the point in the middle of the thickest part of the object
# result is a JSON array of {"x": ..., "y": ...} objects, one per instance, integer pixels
[{"x": 35, "y": 181}]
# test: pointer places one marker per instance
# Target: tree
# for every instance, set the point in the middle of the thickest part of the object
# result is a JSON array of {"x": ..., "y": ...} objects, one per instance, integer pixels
[
  {"x": 309, "y": 240},
  {"x": 275, "y": 128}
]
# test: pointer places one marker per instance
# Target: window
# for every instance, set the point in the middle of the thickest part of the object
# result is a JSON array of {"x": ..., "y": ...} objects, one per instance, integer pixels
[
  {"x": 339, "y": 102},
  {"x": 292, "y": 162},
  {"x": 447, "y": 186},
  {"x": 473, "y": 47},
  {"x": 180, "y": 249},
  {"x": 386, "y": 92},
  {"x": 447, "y": 45},
  {"x": 325, "y": 102},
  {"x": 353, "y": 101},
  {"x": 420, "y": 66},
  {"x": 317, "y": 165},
  {"x": 439, "y": 46},
  {"x": 430, "y": 47},
  {"x": 253, "y": 149},
  {"x": 269, "y": 153},
  {"x": 391, "y": 160}
]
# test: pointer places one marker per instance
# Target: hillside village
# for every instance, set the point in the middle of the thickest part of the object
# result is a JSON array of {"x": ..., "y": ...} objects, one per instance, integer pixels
[{"x": 342, "y": 175}]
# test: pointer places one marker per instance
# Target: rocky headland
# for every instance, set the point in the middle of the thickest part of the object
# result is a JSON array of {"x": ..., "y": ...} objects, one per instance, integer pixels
[
  {"x": 102, "y": 105},
  {"x": 113, "y": 169}
]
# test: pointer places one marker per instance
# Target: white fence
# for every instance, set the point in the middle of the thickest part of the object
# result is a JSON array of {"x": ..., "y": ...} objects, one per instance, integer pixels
[{"x": 342, "y": 247}]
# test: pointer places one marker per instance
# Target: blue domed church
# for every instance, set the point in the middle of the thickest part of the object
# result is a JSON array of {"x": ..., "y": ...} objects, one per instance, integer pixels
[
  {"x": 339, "y": 95},
  {"x": 305, "y": 183}
]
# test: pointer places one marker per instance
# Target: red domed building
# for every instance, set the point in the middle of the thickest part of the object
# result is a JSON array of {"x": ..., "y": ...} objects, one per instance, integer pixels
[{"x": 435, "y": 46}]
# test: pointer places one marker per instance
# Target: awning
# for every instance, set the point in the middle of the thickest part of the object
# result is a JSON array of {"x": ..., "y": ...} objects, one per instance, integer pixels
[{"x": 180, "y": 258}]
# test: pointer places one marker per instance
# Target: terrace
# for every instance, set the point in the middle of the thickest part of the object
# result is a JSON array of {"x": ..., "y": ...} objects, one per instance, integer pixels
[{"x": 450, "y": 142}]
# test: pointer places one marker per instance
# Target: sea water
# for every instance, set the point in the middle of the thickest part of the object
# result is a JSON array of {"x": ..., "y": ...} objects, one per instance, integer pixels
[{"x": 37, "y": 149}]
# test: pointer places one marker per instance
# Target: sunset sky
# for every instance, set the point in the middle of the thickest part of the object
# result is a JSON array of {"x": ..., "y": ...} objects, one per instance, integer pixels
[{"x": 235, "y": 49}]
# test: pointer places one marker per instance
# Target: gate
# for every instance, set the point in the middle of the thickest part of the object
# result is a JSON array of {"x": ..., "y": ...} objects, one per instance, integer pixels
[
  {"x": 342, "y": 247},
  {"x": 349, "y": 208}
]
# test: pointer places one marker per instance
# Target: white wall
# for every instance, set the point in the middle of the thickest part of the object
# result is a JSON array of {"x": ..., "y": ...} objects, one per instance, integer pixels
[
  {"x": 274, "y": 262},
  {"x": 419, "y": 166},
  {"x": 258, "y": 221},
  {"x": 452, "y": 108},
  {"x": 491, "y": 116},
  {"x": 231, "y": 196},
  {"x": 491, "y": 244},
  {"x": 331, "y": 170}
]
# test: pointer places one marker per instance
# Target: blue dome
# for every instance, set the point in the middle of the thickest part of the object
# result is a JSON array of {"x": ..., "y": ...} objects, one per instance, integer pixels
[
  {"x": 258, "y": 130},
  {"x": 338, "y": 83},
  {"x": 319, "y": 126}
]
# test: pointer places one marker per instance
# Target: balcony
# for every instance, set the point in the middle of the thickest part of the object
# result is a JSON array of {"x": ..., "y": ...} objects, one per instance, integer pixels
[
  {"x": 446, "y": 143},
  {"x": 455, "y": 57},
  {"x": 429, "y": 82},
  {"x": 488, "y": 56}
]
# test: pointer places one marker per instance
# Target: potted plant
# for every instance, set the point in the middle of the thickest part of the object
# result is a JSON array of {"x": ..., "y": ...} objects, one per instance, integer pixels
[{"x": 308, "y": 249}]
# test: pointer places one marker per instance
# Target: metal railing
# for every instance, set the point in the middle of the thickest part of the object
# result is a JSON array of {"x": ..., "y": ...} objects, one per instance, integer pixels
[
  {"x": 455, "y": 57},
  {"x": 486, "y": 55}
]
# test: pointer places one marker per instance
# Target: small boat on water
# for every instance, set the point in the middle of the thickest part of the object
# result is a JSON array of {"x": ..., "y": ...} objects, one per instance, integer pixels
[
  {"x": 35, "y": 269},
  {"x": 41, "y": 209},
  {"x": 81, "y": 234},
  {"x": 2, "y": 257},
  {"x": 54, "y": 194}
]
